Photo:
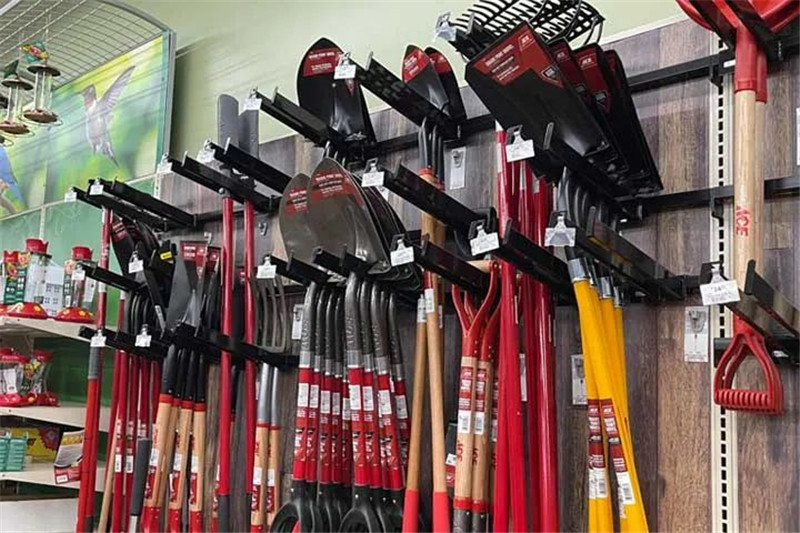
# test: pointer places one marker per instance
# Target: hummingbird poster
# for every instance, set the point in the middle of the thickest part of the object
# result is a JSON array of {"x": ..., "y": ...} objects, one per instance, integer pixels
[{"x": 113, "y": 124}]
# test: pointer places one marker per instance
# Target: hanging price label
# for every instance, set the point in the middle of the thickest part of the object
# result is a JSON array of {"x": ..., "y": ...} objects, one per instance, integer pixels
[
  {"x": 71, "y": 196},
  {"x": 519, "y": 149},
  {"x": 372, "y": 179},
  {"x": 78, "y": 274},
  {"x": 345, "y": 71},
  {"x": 719, "y": 291},
  {"x": 96, "y": 189},
  {"x": 402, "y": 255},
  {"x": 135, "y": 265},
  {"x": 253, "y": 103},
  {"x": 143, "y": 340},
  {"x": 559, "y": 235},
  {"x": 98, "y": 340},
  {"x": 297, "y": 322},
  {"x": 267, "y": 271},
  {"x": 484, "y": 243},
  {"x": 205, "y": 155},
  {"x": 164, "y": 167}
]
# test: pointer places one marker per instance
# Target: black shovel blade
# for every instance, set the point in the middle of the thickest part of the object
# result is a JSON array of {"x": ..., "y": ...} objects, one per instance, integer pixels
[
  {"x": 519, "y": 81},
  {"x": 420, "y": 74},
  {"x": 298, "y": 235},
  {"x": 653, "y": 181},
  {"x": 455, "y": 105},
  {"x": 568, "y": 65},
  {"x": 339, "y": 214},
  {"x": 610, "y": 101},
  {"x": 338, "y": 103}
]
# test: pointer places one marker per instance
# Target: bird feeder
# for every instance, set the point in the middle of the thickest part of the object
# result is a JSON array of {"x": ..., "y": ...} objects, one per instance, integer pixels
[
  {"x": 31, "y": 275},
  {"x": 41, "y": 113},
  {"x": 77, "y": 293},
  {"x": 12, "y": 116}
]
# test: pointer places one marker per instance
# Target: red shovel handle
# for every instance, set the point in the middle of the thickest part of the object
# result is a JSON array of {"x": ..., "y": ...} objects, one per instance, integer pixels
[{"x": 747, "y": 341}]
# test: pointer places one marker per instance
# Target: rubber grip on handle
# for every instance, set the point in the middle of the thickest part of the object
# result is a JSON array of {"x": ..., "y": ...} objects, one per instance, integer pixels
[
  {"x": 411, "y": 511},
  {"x": 479, "y": 521},
  {"x": 462, "y": 520},
  {"x": 224, "y": 514},
  {"x": 140, "y": 475},
  {"x": 441, "y": 512}
]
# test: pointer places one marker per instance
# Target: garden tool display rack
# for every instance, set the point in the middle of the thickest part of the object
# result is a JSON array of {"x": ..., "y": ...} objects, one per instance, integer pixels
[{"x": 640, "y": 277}]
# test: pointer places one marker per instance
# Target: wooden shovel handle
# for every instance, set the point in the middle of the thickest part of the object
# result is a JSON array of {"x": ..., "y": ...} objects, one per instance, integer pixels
[
  {"x": 197, "y": 470},
  {"x": 259, "y": 473},
  {"x": 411, "y": 506},
  {"x": 273, "y": 500}
]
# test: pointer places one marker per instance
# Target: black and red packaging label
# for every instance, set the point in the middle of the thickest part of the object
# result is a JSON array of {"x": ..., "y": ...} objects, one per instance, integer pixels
[
  {"x": 322, "y": 61},
  {"x": 440, "y": 63},
  {"x": 415, "y": 62},
  {"x": 519, "y": 53}
]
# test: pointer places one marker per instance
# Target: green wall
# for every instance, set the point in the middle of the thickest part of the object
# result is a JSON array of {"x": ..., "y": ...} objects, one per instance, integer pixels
[{"x": 233, "y": 46}]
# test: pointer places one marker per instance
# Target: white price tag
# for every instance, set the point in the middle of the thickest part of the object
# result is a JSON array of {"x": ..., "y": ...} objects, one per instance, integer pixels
[
  {"x": 253, "y": 103},
  {"x": 78, "y": 274},
  {"x": 128, "y": 464},
  {"x": 98, "y": 340},
  {"x": 625, "y": 488},
  {"x": 372, "y": 179},
  {"x": 143, "y": 340},
  {"x": 559, "y": 235},
  {"x": 523, "y": 381},
  {"x": 270, "y": 477},
  {"x": 484, "y": 243},
  {"x": 71, "y": 196},
  {"x": 10, "y": 380},
  {"x": 429, "y": 304},
  {"x": 195, "y": 465},
  {"x": 205, "y": 155},
  {"x": 346, "y": 409},
  {"x": 135, "y": 265},
  {"x": 451, "y": 459},
  {"x": 267, "y": 271},
  {"x": 96, "y": 189},
  {"x": 177, "y": 462},
  {"x": 154, "y": 454},
  {"x": 719, "y": 291},
  {"x": 297, "y": 322},
  {"x": 480, "y": 423},
  {"x": 345, "y": 71},
  {"x": 402, "y": 255},
  {"x": 313, "y": 402},
  {"x": 164, "y": 167},
  {"x": 519, "y": 149}
]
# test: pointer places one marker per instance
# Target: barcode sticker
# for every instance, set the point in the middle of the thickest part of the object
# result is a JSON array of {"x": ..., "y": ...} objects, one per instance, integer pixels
[
  {"x": 451, "y": 459},
  {"x": 464, "y": 421},
  {"x": 302, "y": 395},
  {"x": 421, "y": 310},
  {"x": 355, "y": 398},
  {"x": 346, "y": 415},
  {"x": 313, "y": 401},
  {"x": 128, "y": 464},
  {"x": 402, "y": 407},
  {"x": 368, "y": 398},
  {"x": 325, "y": 402},
  {"x": 195, "y": 465},
  {"x": 429, "y": 301},
  {"x": 117, "y": 463},
  {"x": 523, "y": 382},
  {"x": 625, "y": 488},
  {"x": 480, "y": 423},
  {"x": 154, "y": 454},
  {"x": 384, "y": 403},
  {"x": 177, "y": 462},
  {"x": 257, "y": 474},
  {"x": 336, "y": 406},
  {"x": 270, "y": 477}
]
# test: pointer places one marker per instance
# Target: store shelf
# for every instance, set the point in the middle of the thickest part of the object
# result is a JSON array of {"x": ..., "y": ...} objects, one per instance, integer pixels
[
  {"x": 33, "y": 327},
  {"x": 67, "y": 414},
  {"x": 42, "y": 474}
]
